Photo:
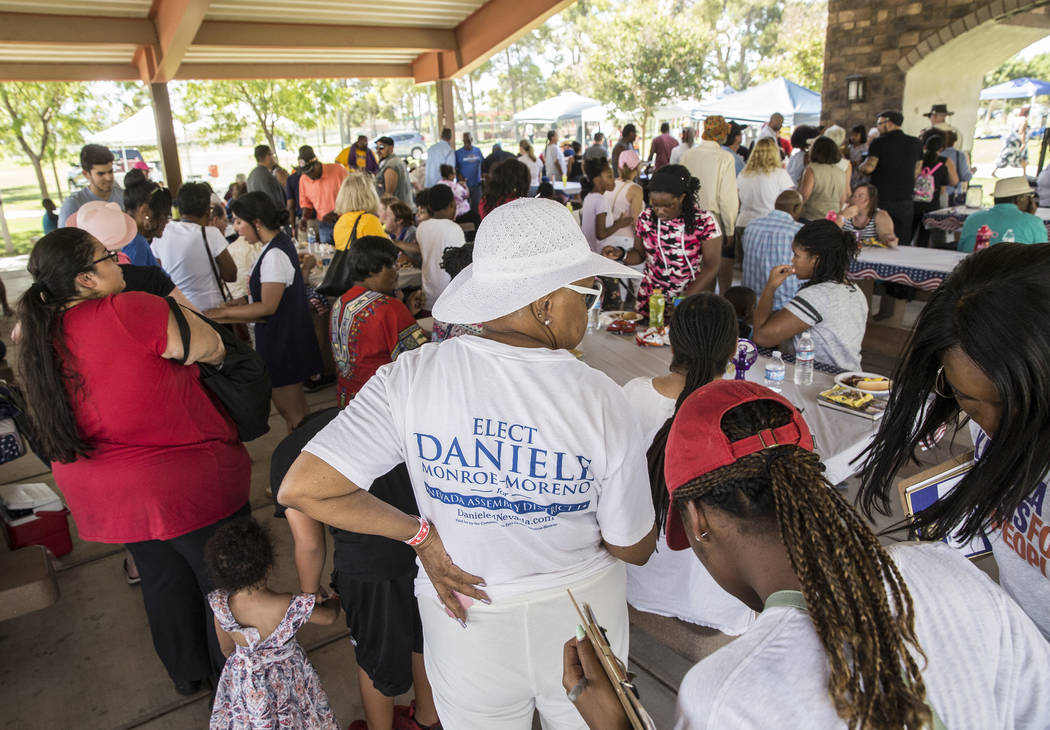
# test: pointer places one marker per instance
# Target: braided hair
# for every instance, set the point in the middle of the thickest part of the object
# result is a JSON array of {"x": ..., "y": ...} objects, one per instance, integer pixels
[
  {"x": 874, "y": 681},
  {"x": 703, "y": 338},
  {"x": 677, "y": 180},
  {"x": 834, "y": 248}
]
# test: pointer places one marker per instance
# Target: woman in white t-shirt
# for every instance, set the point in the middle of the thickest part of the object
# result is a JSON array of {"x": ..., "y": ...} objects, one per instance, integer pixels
[
  {"x": 529, "y": 159},
  {"x": 277, "y": 303},
  {"x": 850, "y": 634},
  {"x": 522, "y": 464},
  {"x": 194, "y": 253},
  {"x": 829, "y": 305},
  {"x": 703, "y": 338},
  {"x": 980, "y": 348},
  {"x": 760, "y": 182}
]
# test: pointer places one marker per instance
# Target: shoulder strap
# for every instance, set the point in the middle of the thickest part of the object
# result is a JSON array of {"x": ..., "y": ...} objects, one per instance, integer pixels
[
  {"x": 184, "y": 328},
  {"x": 224, "y": 291},
  {"x": 353, "y": 232}
]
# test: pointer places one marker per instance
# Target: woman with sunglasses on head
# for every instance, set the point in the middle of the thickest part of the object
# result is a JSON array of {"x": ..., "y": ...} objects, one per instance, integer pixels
[
  {"x": 141, "y": 452},
  {"x": 981, "y": 349},
  {"x": 680, "y": 244},
  {"x": 850, "y": 634},
  {"x": 528, "y": 479}
]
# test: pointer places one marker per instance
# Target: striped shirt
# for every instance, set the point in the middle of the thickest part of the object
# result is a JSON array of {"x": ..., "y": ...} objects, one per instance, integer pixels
[
  {"x": 837, "y": 315},
  {"x": 767, "y": 243}
]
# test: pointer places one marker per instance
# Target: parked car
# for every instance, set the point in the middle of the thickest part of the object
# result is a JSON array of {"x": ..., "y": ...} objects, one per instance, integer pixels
[
  {"x": 123, "y": 159},
  {"x": 407, "y": 143}
]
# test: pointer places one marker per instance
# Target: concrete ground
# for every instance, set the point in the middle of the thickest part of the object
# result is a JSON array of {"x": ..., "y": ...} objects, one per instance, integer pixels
[{"x": 88, "y": 661}]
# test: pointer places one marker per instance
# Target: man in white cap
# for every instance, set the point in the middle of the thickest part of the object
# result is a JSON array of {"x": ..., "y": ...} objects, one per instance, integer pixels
[
  {"x": 1010, "y": 219},
  {"x": 529, "y": 478}
]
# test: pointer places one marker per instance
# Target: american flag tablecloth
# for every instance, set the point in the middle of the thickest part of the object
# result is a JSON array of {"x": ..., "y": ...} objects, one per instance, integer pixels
[{"x": 920, "y": 268}]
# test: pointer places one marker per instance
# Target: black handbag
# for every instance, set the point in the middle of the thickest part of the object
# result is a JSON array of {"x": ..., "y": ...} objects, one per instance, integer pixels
[
  {"x": 241, "y": 384},
  {"x": 338, "y": 279}
]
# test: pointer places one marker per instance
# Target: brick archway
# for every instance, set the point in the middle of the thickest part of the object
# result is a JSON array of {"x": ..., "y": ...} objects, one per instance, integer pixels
[{"x": 885, "y": 42}]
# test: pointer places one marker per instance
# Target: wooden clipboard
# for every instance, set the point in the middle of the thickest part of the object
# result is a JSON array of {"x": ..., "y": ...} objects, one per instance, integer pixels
[{"x": 615, "y": 670}]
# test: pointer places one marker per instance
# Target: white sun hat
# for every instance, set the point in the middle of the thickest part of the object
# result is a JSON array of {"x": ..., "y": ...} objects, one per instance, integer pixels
[{"x": 523, "y": 250}]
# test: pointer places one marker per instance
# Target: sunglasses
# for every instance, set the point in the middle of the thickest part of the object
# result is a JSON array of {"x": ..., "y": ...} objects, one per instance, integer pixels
[
  {"x": 113, "y": 256},
  {"x": 590, "y": 296},
  {"x": 380, "y": 146}
]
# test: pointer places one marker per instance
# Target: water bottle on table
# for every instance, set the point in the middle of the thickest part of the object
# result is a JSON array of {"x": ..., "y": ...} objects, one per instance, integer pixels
[
  {"x": 776, "y": 371},
  {"x": 1009, "y": 237},
  {"x": 804, "y": 359}
]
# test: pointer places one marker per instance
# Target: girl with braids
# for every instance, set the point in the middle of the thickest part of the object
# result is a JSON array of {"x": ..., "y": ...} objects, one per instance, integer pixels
[
  {"x": 829, "y": 305},
  {"x": 703, "y": 339},
  {"x": 850, "y": 634},
  {"x": 680, "y": 244},
  {"x": 142, "y": 454},
  {"x": 981, "y": 348},
  {"x": 149, "y": 204}
]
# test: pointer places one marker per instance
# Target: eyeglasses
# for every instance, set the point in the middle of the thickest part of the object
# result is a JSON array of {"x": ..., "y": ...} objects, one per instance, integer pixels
[
  {"x": 380, "y": 146},
  {"x": 941, "y": 386},
  {"x": 590, "y": 296},
  {"x": 113, "y": 256}
]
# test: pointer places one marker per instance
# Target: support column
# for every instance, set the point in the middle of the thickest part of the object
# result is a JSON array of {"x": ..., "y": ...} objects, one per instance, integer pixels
[
  {"x": 445, "y": 108},
  {"x": 169, "y": 151}
]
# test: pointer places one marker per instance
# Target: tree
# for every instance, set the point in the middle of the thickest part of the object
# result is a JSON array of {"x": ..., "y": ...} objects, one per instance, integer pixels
[
  {"x": 29, "y": 113},
  {"x": 640, "y": 71},
  {"x": 747, "y": 35},
  {"x": 800, "y": 52},
  {"x": 1036, "y": 67},
  {"x": 271, "y": 107}
]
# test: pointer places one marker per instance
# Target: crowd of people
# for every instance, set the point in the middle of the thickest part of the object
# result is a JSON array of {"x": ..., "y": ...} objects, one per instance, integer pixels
[{"x": 465, "y": 486}]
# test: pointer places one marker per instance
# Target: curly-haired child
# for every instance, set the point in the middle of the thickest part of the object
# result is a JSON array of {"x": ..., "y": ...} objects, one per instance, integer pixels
[{"x": 267, "y": 681}]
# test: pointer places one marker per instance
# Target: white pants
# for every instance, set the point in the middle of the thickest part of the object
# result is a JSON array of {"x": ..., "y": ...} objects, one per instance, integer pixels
[{"x": 508, "y": 661}]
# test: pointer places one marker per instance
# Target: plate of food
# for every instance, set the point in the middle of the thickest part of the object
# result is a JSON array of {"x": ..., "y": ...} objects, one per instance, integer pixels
[
  {"x": 625, "y": 315},
  {"x": 873, "y": 383}
]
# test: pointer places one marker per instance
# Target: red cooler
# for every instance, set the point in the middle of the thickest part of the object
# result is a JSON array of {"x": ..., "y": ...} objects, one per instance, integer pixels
[{"x": 35, "y": 515}]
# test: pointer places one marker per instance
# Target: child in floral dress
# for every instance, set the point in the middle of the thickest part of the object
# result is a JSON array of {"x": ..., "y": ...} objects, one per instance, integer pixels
[{"x": 267, "y": 682}]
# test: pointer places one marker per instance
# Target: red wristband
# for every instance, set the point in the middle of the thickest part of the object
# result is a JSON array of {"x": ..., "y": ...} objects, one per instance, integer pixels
[{"x": 424, "y": 530}]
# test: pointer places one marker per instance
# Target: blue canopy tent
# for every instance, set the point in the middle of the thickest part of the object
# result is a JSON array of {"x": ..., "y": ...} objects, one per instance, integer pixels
[
  {"x": 1024, "y": 88},
  {"x": 798, "y": 104}
]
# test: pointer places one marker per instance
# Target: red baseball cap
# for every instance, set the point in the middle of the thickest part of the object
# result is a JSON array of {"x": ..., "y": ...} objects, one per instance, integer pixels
[{"x": 696, "y": 444}]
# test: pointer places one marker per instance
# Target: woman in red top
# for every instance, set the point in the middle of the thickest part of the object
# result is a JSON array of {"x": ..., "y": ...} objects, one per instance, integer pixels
[
  {"x": 507, "y": 180},
  {"x": 141, "y": 452},
  {"x": 370, "y": 327}
]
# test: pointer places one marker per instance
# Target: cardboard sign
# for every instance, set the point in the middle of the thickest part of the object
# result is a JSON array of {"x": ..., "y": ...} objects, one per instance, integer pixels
[{"x": 923, "y": 489}]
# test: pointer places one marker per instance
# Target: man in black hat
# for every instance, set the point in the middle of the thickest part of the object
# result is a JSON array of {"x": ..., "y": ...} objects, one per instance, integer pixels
[
  {"x": 938, "y": 116},
  {"x": 318, "y": 189}
]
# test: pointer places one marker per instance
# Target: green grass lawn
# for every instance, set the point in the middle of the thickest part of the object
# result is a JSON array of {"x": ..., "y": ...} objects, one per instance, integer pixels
[{"x": 24, "y": 231}]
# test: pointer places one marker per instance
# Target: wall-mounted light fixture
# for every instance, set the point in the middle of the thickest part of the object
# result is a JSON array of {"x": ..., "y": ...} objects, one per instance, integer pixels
[{"x": 855, "y": 88}]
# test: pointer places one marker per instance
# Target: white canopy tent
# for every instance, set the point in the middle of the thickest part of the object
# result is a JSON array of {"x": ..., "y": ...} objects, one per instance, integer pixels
[
  {"x": 566, "y": 106},
  {"x": 798, "y": 104},
  {"x": 135, "y": 131}
]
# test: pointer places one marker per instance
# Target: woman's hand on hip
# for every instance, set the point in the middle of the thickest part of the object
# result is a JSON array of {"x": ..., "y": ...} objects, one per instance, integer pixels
[
  {"x": 448, "y": 577},
  {"x": 597, "y": 702}
]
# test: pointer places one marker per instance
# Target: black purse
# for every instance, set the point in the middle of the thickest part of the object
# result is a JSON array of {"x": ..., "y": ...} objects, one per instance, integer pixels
[
  {"x": 338, "y": 279},
  {"x": 241, "y": 384}
]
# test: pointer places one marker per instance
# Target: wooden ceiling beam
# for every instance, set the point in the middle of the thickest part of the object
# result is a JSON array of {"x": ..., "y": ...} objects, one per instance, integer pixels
[
  {"x": 177, "y": 23},
  {"x": 75, "y": 29},
  {"x": 291, "y": 70},
  {"x": 497, "y": 24},
  {"x": 285, "y": 36},
  {"x": 68, "y": 72}
]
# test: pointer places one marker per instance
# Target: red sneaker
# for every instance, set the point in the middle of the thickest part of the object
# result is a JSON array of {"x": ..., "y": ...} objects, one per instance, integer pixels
[
  {"x": 358, "y": 725},
  {"x": 405, "y": 719}
]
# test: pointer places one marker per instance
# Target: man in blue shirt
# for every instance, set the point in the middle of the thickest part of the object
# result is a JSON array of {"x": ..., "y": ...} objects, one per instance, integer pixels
[
  {"x": 468, "y": 164},
  {"x": 97, "y": 163},
  {"x": 438, "y": 154},
  {"x": 1011, "y": 214},
  {"x": 767, "y": 243}
]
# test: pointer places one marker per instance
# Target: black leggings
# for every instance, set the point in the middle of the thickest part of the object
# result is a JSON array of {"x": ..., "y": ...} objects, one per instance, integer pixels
[{"x": 175, "y": 587}]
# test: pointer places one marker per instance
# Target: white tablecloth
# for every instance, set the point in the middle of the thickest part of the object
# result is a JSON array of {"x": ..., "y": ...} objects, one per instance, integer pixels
[{"x": 838, "y": 437}]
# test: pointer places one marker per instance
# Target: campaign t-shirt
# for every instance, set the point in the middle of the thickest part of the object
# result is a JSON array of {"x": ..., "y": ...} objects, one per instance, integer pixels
[
  {"x": 674, "y": 583},
  {"x": 1021, "y": 547},
  {"x": 183, "y": 255},
  {"x": 837, "y": 315},
  {"x": 987, "y": 666},
  {"x": 434, "y": 235},
  {"x": 594, "y": 205},
  {"x": 520, "y": 457}
]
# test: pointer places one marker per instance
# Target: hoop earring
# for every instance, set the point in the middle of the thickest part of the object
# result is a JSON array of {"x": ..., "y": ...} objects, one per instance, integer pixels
[
  {"x": 702, "y": 535},
  {"x": 937, "y": 384}
]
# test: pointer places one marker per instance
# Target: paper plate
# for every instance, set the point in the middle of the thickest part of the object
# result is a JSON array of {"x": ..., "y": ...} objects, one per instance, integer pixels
[{"x": 845, "y": 380}]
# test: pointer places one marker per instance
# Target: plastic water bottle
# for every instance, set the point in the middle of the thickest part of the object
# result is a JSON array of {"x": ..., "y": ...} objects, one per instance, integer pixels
[
  {"x": 311, "y": 237},
  {"x": 776, "y": 370},
  {"x": 804, "y": 359},
  {"x": 1008, "y": 237}
]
